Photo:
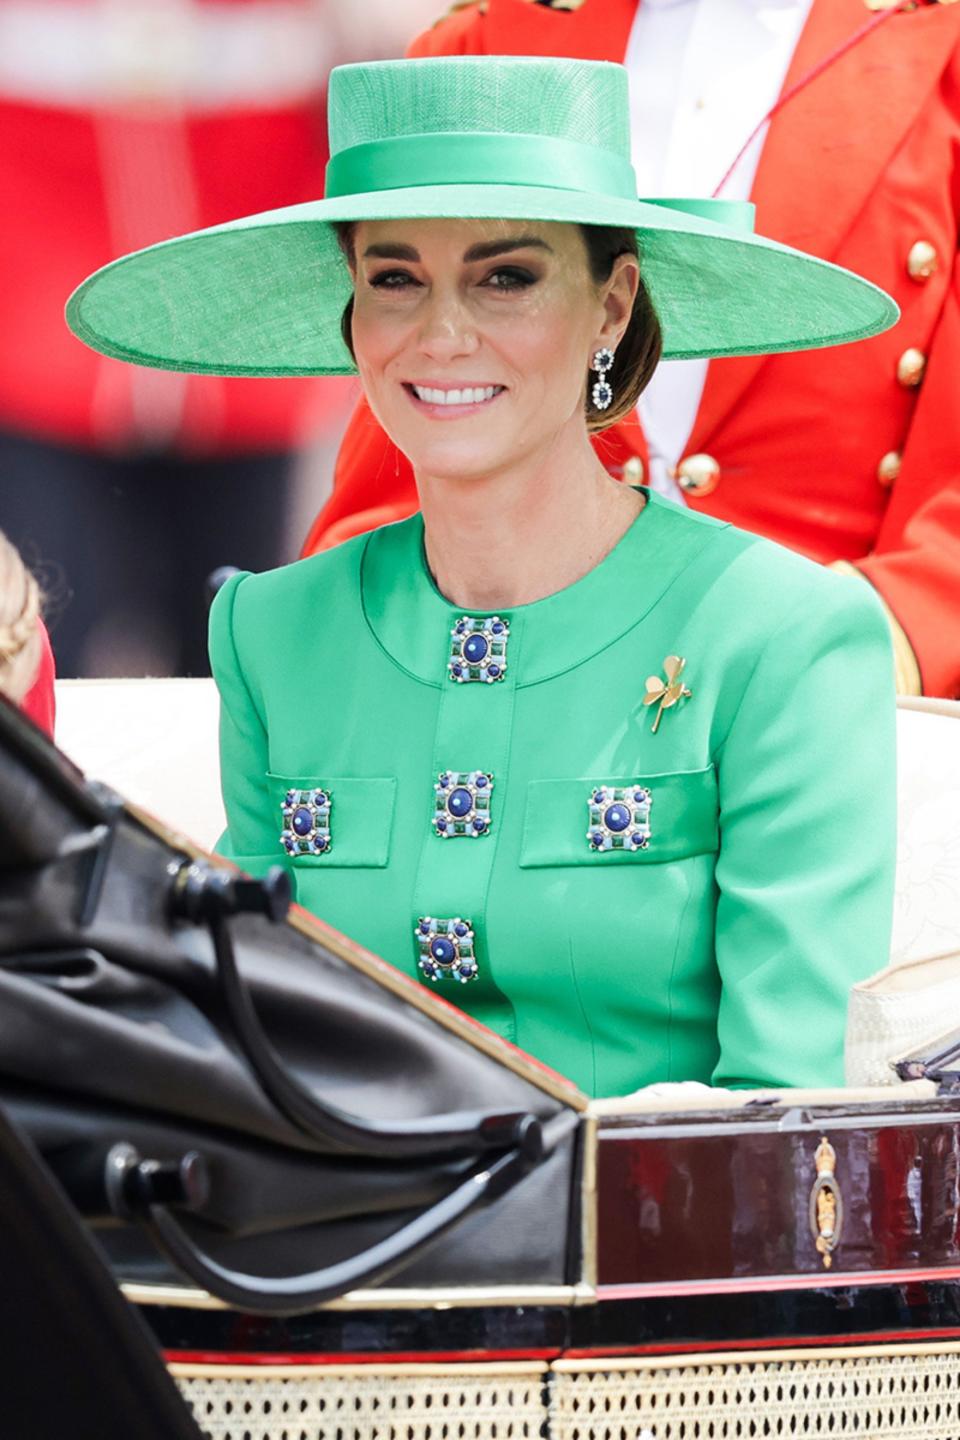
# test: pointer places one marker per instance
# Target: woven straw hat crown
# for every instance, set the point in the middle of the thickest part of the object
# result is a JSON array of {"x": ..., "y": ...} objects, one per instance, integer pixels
[
  {"x": 580, "y": 100},
  {"x": 498, "y": 137}
]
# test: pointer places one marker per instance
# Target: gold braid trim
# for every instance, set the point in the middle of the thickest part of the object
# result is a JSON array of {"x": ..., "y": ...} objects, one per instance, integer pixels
[{"x": 906, "y": 667}]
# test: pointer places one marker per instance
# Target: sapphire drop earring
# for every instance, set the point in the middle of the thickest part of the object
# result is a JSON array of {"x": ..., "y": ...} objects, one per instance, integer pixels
[{"x": 602, "y": 392}]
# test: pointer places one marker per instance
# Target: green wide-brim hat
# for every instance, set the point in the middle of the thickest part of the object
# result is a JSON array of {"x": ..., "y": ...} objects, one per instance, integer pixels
[{"x": 490, "y": 137}]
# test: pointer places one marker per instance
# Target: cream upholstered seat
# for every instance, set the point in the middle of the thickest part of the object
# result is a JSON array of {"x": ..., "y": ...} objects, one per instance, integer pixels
[
  {"x": 916, "y": 998},
  {"x": 927, "y": 907},
  {"x": 155, "y": 741}
]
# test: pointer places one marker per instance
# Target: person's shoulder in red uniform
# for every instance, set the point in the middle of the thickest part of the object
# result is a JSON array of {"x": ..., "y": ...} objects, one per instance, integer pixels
[
  {"x": 458, "y": 32},
  {"x": 39, "y": 702}
]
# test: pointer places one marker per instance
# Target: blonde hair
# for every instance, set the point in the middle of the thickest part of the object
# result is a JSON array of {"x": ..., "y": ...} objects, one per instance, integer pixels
[{"x": 19, "y": 628}]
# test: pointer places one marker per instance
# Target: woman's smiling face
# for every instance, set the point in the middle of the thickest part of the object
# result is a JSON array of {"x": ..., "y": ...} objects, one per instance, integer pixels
[{"x": 473, "y": 338}]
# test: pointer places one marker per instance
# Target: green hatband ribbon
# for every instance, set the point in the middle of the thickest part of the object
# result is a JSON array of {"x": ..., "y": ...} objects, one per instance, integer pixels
[
  {"x": 449, "y": 158},
  {"x": 739, "y": 215}
]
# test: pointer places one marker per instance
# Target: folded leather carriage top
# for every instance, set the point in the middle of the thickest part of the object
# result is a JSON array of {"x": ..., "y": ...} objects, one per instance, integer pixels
[{"x": 237, "y": 1095}]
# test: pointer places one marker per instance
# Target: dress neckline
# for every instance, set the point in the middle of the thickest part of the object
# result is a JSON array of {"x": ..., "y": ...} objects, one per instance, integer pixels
[{"x": 412, "y": 621}]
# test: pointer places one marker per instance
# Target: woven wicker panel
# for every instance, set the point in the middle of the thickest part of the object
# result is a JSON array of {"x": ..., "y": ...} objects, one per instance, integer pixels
[
  {"x": 913, "y": 1396},
  {"x": 368, "y": 1405}
]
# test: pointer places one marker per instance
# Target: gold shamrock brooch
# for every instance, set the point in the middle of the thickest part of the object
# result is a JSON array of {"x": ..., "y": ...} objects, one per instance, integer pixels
[{"x": 664, "y": 693}]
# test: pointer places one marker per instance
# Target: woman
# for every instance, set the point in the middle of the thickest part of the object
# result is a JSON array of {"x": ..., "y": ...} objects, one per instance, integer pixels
[
  {"x": 26, "y": 660},
  {"x": 614, "y": 776}
]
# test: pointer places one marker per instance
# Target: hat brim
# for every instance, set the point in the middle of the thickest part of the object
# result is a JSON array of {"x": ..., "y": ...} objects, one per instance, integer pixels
[{"x": 264, "y": 295}]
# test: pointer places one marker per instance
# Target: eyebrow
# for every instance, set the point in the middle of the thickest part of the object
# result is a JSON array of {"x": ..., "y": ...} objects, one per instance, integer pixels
[{"x": 486, "y": 250}]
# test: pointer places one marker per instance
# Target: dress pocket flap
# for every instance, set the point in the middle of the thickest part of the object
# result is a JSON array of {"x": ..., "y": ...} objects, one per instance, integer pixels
[
  {"x": 677, "y": 817},
  {"x": 332, "y": 820}
]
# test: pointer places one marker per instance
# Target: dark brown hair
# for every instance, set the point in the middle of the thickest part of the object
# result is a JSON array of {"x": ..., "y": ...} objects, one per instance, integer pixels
[{"x": 638, "y": 353}]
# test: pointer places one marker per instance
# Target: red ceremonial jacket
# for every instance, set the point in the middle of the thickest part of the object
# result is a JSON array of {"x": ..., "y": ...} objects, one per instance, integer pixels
[{"x": 850, "y": 454}]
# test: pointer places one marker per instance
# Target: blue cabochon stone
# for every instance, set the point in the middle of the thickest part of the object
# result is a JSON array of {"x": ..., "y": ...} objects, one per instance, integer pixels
[{"x": 475, "y": 648}]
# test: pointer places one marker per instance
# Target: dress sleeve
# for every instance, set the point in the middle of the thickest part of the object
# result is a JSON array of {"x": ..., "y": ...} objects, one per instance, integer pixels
[
  {"x": 807, "y": 777},
  {"x": 916, "y": 563},
  {"x": 249, "y": 839}
]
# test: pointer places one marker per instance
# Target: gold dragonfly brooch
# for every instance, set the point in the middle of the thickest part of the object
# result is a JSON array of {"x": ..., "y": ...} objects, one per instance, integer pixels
[{"x": 662, "y": 693}]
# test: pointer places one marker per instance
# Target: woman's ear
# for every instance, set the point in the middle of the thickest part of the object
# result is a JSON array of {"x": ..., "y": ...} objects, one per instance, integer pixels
[{"x": 617, "y": 296}]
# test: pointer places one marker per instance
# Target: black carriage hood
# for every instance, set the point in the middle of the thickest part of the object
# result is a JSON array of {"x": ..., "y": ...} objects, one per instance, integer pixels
[{"x": 257, "y": 1090}]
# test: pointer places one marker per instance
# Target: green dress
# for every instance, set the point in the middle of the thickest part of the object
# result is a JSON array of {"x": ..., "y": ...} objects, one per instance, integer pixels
[{"x": 689, "y": 903}]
